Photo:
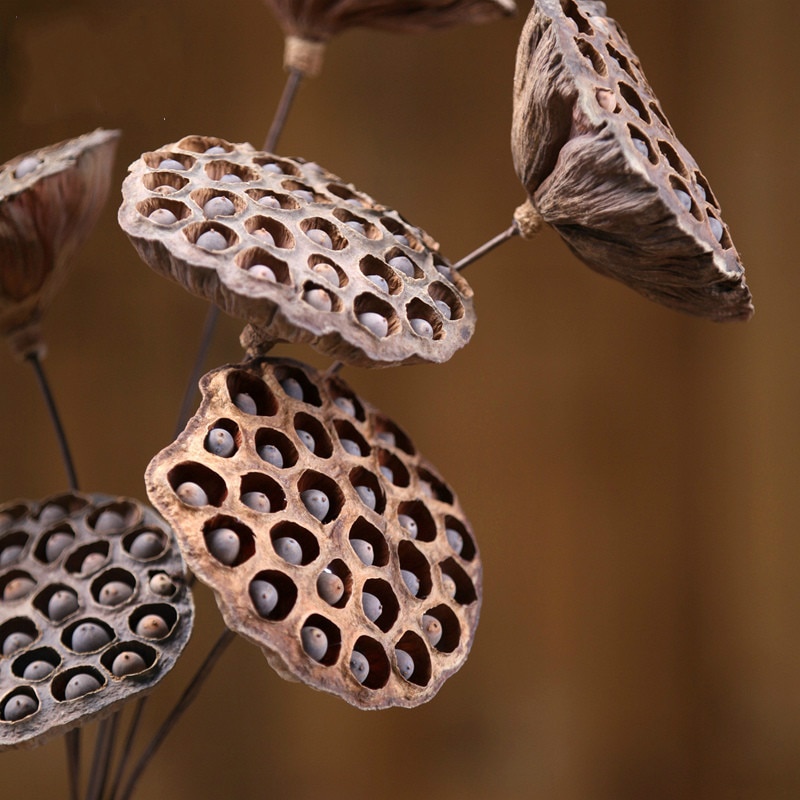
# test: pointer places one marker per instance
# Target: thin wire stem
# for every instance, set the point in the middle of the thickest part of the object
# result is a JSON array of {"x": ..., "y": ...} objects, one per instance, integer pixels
[
  {"x": 127, "y": 746},
  {"x": 106, "y": 735},
  {"x": 180, "y": 707},
  {"x": 487, "y": 247},
  {"x": 73, "y": 742},
  {"x": 44, "y": 385},
  {"x": 284, "y": 106}
]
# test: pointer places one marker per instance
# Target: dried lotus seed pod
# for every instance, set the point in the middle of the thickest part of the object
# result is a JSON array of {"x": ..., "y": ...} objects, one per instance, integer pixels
[
  {"x": 49, "y": 202},
  {"x": 321, "y": 581},
  {"x": 72, "y": 644},
  {"x": 289, "y": 261},
  {"x": 602, "y": 165}
]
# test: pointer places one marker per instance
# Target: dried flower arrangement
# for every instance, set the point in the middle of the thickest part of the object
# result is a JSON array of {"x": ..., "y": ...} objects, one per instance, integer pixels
[{"x": 328, "y": 540}]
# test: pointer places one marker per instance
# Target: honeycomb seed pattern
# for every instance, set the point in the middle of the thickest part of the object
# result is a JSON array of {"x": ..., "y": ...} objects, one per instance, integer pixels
[
  {"x": 297, "y": 253},
  {"x": 601, "y": 164},
  {"x": 93, "y": 610},
  {"x": 360, "y": 551}
]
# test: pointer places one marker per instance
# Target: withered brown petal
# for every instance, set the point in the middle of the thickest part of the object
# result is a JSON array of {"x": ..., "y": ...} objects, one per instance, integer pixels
[
  {"x": 602, "y": 165},
  {"x": 49, "y": 202}
]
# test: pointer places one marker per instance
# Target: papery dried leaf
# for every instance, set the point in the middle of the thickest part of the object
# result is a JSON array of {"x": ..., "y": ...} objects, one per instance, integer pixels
[
  {"x": 309, "y": 512},
  {"x": 49, "y": 202},
  {"x": 299, "y": 254},
  {"x": 602, "y": 165}
]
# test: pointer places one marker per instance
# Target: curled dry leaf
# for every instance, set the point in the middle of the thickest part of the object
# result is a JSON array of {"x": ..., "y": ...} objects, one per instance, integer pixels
[
  {"x": 329, "y": 541},
  {"x": 602, "y": 165},
  {"x": 297, "y": 253},
  {"x": 308, "y": 24},
  {"x": 49, "y": 202}
]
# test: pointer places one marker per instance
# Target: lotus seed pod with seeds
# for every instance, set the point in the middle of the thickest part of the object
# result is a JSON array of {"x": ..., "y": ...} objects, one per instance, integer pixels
[
  {"x": 288, "y": 262},
  {"x": 73, "y": 644},
  {"x": 320, "y": 581},
  {"x": 602, "y": 165},
  {"x": 49, "y": 203}
]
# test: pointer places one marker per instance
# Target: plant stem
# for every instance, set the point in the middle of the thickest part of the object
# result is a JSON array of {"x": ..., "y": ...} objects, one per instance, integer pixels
[
  {"x": 183, "y": 703},
  {"x": 127, "y": 746},
  {"x": 106, "y": 735},
  {"x": 66, "y": 456},
  {"x": 73, "y": 742},
  {"x": 284, "y": 106},
  {"x": 487, "y": 247}
]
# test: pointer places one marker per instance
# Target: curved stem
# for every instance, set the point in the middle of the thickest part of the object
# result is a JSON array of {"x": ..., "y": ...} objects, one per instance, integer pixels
[
  {"x": 284, "y": 106},
  {"x": 487, "y": 247},
  {"x": 183, "y": 703},
  {"x": 66, "y": 456}
]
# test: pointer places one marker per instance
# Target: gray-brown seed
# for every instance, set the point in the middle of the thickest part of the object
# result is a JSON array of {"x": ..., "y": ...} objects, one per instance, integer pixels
[
  {"x": 16, "y": 641},
  {"x": 316, "y": 502},
  {"x": 220, "y": 442},
  {"x": 319, "y": 299},
  {"x": 19, "y": 706},
  {"x": 56, "y": 545},
  {"x": 244, "y": 402},
  {"x": 127, "y": 662},
  {"x": 455, "y": 540},
  {"x": 367, "y": 495},
  {"x": 262, "y": 272},
  {"x": 191, "y": 494},
  {"x": 307, "y": 439},
  {"x": 161, "y": 584},
  {"x": 162, "y": 216},
  {"x": 219, "y": 207},
  {"x": 359, "y": 666},
  {"x": 410, "y": 580},
  {"x": 79, "y": 685},
  {"x": 422, "y": 327},
  {"x": 374, "y": 322},
  {"x": 212, "y": 240},
  {"x": 264, "y": 596},
  {"x": 89, "y": 636},
  {"x": 152, "y": 626},
  {"x": 409, "y": 525},
  {"x": 109, "y": 522},
  {"x": 293, "y": 388},
  {"x": 10, "y": 554},
  {"x": 147, "y": 544},
  {"x": 224, "y": 545},
  {"x": 315, "y": 642},
  {"x": 320, "y": 237},
  {"x": 289, "y": 549},
  {"x": 114, "y": 593},
  {"x": 17, "y": 588},
  {"x": 258, "y": 501},
  {"x": 449, "y": 585},
  {"x": 330, "y": 587},
  {"x": 92, "y": 562},
  {"x": 405, "y": 664},
  {"x": 363, "y": 549},
  {"x": 61, "y": 604},
  {"x": 271, "y": 455},
  {"x": 432, "y": 628},
  {"x": 372, "y": 606},
  {"x": 37, "y": 670}
]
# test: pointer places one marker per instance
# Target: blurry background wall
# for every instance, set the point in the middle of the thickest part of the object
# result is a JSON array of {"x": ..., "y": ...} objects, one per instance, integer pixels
[{"x": 631, "y": 473}]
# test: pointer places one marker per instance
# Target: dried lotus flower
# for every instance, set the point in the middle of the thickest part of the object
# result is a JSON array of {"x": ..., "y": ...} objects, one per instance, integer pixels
[
  {"x": 329, "y": 541},
  {"x": 308, "y": 24},
  {"x": 602, "y": 165},
  {"x": 297, "y": 253},
  {"x": 94, "y": 609},
  {"x": 49, "y": 202}
]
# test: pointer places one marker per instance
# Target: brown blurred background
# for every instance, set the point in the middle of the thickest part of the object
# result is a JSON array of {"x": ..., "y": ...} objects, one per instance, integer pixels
[{"x": 632, "y": 474}]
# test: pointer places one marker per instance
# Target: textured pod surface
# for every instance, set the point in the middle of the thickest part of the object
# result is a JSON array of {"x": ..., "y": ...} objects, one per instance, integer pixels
[
  {"x": 602, "y": 165},
  {"x": 303, "y": 593},
  {"x": 296, "y": 256},
  {"x": 72, "y": 643},
  {"x": 49, "y": 202}
]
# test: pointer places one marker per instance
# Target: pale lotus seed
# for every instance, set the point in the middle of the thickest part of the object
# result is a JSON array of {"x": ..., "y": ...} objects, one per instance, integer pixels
[
  {"x": 387, "y": 473},
  {"x": 372, "y": 606},
  {"x": 212, "y": 240},
  {"x": 230, "y": 177},
  {"x": 367, "y": 495},
  {"x": 263, "y": 272},
  {"x": 264, "y": 596},
  {"x": 405, "y": 664},
  {"x": 387, "y": 437},
  {"x": 110, "y": 521},
  {"x": 89, "y": 636},
  {"x": 265, "y": 236},
  {"x": 302, "y": 194},
  {"x": 271, "y": 455},
  {"x": 307, "y": 439},
  {"x": 351, "y": 447},
  {"x": 61, "y": 605},
  {"x": 146, "y": 545},
  {"x": 162, "y": 584},
  {"x": 272, "y": 168},
  {"x": 319, "y": 299},
  {"x": 56, "y": 545},
  {"x": 219, "y": 207},
  {"x": 92, "y": 562},
  {"x": 379, "y": 281},
  {"x": 685, "y": 199},
  {"x": 330, "y": 587},
  {"x": 347, "y": 405},
  {"x": 26, "y": 166},
  {"x": 328, "y": 272},
  {"x": 79, "y": 685},
  {"x": 37, "y": 670},
  {"x": 127, "y": 663},
  {"x": 258, "y": 501},
  {"x": 359, "y": 666},
  {"x": 315, "y": 642},
  {"x": 269, "y": 201},
  {"x": 444, "y": 309},
  {"x": 320, "y": 237},
  {"x": 409, "y": 525},
  {"x": 20, "y": 705},
  {"x": 293, "y": 388},
  {"x": 432, "y": 628},
  {"x": 244, "y": 402},
  {"x": 215, "y": 150},
  {"x": 356, "y": 226},
  {"x": 403, "y": 264},
  {"x": 422, "y": 327},
  {"x": 17, "y": 588},
  {"x": 716, "y": 228},
  {"x": 449, "y": 585},
  {"x": 410, "y": 580},
  {"x": 162, "y": 216},
  {"x": 605, "y": 99},
  {"x": 10, "y": 554},
  {"x": 316, "y": 502},
  {"x": 374, "y": 322},
  {"x": 51, "y": 513},
  {"x": 363, "y": 549},
  {"x": 16, "y": 641},
  {"x": 152, "y": 626},
  {"x": 192, "y": 494},
  {"x": 455, "y": 540},
  {"x": 402, "y": 239},
  {"x": 641, "y": 147},
  {"x": 289, "y": 549},
  {"x": 171, "y": 163},
  {"x": 220, "y": 442},
  {"x": 224, "y": 545}
]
